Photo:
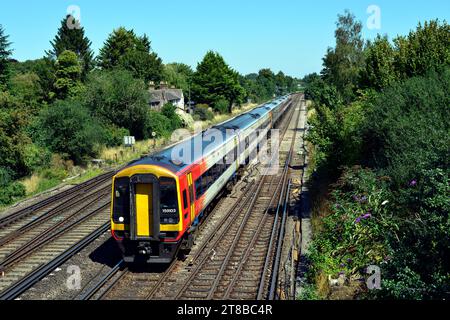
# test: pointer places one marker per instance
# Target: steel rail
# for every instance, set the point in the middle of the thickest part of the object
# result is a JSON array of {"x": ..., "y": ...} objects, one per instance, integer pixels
[
  {"x": 238, "y": 234},
  {"x": 13, "y": 258},
  {"x": 227, "y": 219},
  {"x": 27, "y": 282},
  {"x": 275, "y": 270},
  {"x": 98, "y": 285},
  {"x": 274, "y": 229},
  {"x": 85, "y": 186},
  {"x": 13, "y": 235},
  {"x": 247, "y": 252}
]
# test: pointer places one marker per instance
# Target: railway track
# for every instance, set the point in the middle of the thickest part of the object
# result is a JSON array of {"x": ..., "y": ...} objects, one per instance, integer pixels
[
  {"x": 245, "y": 254},
  {"x": 42, "y": 249},
  {"x": 36, "y": 275},
  {"x": 30, "y": 213},
  {"x": 31, "y": 237}
]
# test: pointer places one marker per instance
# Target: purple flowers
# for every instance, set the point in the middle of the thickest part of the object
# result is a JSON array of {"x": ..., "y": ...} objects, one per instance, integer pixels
[
  {"x": 360, "y": 199},
  {"x": 367, "y": 216},
  {"x": 363, "y": 217},
  {"x": 412, "y": 183}
]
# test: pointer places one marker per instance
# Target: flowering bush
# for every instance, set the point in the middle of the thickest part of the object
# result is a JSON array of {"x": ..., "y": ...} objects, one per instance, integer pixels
[{"x": 352, "y": 235}]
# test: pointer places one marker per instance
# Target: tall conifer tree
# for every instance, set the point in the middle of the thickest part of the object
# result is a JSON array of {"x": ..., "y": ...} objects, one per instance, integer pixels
[{"x": 71, "y": 36}]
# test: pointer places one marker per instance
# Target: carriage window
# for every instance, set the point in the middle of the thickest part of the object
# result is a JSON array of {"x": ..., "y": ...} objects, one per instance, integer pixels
[
  {"x": 185, "y": 201},
  {"x": 198, "y": 188},
  {"x": 168, "y": 201},
  {"x": 121, "y": 206}
]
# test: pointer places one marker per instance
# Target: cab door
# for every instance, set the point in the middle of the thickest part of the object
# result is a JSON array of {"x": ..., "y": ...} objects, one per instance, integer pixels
[{"x": 191, "y": 196}]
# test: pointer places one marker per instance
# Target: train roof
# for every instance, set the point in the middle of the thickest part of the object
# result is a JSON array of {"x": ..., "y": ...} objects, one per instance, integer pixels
[{"x": 208, "y": 139}]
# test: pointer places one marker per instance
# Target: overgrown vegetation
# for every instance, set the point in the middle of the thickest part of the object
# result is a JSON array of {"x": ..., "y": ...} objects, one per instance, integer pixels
[{"x": 381, "y": 137}]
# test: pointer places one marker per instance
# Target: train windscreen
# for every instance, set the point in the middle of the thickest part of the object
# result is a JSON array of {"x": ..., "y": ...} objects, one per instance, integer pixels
[
  {"x": 121, "y": 206},
  {"x": 168, "y": 201}
]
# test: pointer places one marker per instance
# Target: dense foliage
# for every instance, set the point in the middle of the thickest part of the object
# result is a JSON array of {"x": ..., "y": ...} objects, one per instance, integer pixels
[
  {"x": 70, "y": 36},
  {"x": 77, "y": 134},
  {"x": 119, "y": 99},
  {"x": 265, "y": 85},
  {"x": 214, "y": 81},
  {"x": 125, "y": 49},
  {"x": 389, "y": 113},
  {"x": 67, "y": 75},
  {"x": 180, "y": 76}
]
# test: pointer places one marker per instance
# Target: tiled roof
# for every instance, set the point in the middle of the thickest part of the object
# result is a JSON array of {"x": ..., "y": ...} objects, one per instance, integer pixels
[{"x": 165, "y": 94}]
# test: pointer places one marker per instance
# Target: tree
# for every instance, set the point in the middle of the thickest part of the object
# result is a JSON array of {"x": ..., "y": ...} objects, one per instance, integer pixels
[
  {"x": 44, "y": 68},
  {"x": 266, "y": 79},
  {"x": 77, "y": 134},
  {"x": 119, "y": 99},
  {"x": 215, "y": 80},
  {"x": 379, "y": 70},
  {"x": 125, "y": 49},
  {"x": 67, "y": 75},
  {"x": 343, "y": 63},
  {"x": 144, "y": 65},
  {"x": 423, "y": 50},
  {"x": 281, "y": 83},
  {"x": 15, "y": 117},
  {"x": 168, "y": 110},
  {"x": 119, "y": 42},
  {"x": 73, "y": 39},
  {"x": 5, "y": 52},
  {"x": 179, "y": 75},
  {"x": 26, "y": 86}
]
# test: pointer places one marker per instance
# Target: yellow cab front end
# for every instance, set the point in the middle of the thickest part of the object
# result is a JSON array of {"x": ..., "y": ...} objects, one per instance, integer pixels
[{"x": 146, "y": 216}]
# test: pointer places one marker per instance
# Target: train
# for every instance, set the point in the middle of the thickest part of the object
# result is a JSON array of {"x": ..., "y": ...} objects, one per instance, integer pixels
[{"x": 158, "y": 201}]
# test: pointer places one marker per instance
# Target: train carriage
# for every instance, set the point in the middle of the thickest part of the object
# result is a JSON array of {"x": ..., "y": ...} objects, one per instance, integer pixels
[{"x": 158, "y": 201}]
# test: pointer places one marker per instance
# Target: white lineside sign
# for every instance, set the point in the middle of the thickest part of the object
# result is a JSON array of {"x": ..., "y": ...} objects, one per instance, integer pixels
[{"x": 129, "y": 141}]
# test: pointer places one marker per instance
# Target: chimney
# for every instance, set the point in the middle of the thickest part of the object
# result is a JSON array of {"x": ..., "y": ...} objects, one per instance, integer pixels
[
  {"x": 163, "y": 85},
  {"x": 151, "y": 85}
]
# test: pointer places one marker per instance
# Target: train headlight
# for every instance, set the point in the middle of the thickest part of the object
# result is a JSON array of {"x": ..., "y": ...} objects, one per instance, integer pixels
[{"x": 121, "y": 219}]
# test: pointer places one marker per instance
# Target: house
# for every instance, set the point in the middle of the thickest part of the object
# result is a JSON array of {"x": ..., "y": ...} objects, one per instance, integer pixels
[{"x": 159, "y": 97}]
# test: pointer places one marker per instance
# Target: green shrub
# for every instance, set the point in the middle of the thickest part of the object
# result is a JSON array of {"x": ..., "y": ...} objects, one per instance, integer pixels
[
  {"x": 419, "y": 267},
  {"x": 117, "y": 98},
  {"x": 337, "y": 134},
  {"x": 35, "y": 157},
  {"x": 168, "y": 110},
  {"x": 407, "y": 129},
  {"x": 221, "y": 106},
  {"x": 68, "y": 128},
  {"x": 10, "y": 190},
  {"x": 113, "y": 136},
  {"x": 352, "y": 236},
  {"x": 202, "y": 112},
  {"x": 54, "y": 174},
  {"x": 158, "y": 123}
]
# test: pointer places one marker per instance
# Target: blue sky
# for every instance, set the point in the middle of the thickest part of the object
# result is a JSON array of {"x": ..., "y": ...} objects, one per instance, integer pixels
[{"x": 287, "y": 35}]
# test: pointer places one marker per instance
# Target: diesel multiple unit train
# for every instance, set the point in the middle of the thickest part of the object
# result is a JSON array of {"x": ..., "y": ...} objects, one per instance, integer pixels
[{"x": 159, "y": 200}]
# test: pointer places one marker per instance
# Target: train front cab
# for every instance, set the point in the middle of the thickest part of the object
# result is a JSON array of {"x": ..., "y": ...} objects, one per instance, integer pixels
[{"x": 146, "y": 215}]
